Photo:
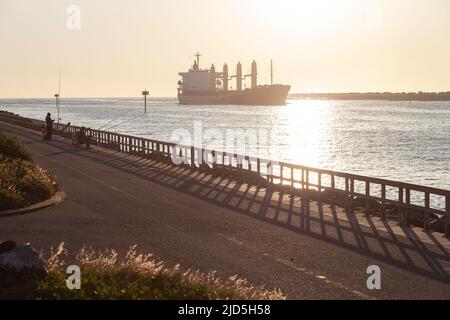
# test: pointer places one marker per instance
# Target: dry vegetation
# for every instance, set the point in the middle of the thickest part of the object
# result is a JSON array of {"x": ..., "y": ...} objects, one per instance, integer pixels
[{"x": 134, "y": 276}]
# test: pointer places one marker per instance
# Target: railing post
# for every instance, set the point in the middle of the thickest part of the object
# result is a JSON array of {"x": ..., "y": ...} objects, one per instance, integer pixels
[
  {"x": 383, "y": 201},
  {"x": 426, "y": 223},
  {"x": 319, "y": 185},
  {"x": 192, "y": 157},
  {"x": 202, "y": 157},
  {"x": 270, "y": 172},
  {"x": 307, "y": 181},
  {"x": 214, "y": 158},
  {"x": 401, "y": 218},
  {"x": 238, "y": 161},
  {"x": 303, "y": 179},
  {"x": 447, "y": 215},
  {"x": 347, "y": 192},
  {"x": 408, "y": 202},
  {"x": 352, "y": 192},
  {"x": 292, "y": 178},
  {"x": 333, "y": 189},
  {"x": 367, "y": 197}
]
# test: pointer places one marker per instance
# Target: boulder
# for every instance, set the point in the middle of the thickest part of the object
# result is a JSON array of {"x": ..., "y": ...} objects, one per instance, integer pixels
[
  {"x": 238, "y": 174},
  {"x": 7, "y": 246},
  {"x": 416, "y": 218},
  {"x": 336, "y": 197},
  {"x": 392, "y": 210},
  {"x": 24, "y": 258},
  {"x": 360, "y": 202},
  {"x": 438, "y": 224}
]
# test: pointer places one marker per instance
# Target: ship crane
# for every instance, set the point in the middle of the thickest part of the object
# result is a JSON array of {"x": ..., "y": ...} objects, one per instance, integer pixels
[
  {"x": 253, "y": 75},
  {"x": 238, "y": 77},
  {"x": 225, "y": 78}
]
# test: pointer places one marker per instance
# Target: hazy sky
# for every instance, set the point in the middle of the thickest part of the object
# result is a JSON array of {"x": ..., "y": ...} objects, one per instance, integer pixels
[{"x": 123, "y": 46}]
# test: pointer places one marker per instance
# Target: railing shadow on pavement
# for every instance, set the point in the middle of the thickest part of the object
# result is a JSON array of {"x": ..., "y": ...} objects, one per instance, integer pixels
[{"x": 283, "y": 210}]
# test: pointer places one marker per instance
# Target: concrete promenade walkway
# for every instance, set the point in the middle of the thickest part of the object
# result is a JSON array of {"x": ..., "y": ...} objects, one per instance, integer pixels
[{"x": 309, "y": 250}]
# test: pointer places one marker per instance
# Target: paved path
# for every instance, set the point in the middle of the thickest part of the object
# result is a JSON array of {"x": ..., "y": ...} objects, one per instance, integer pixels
[{"x": 309, "y": 250}]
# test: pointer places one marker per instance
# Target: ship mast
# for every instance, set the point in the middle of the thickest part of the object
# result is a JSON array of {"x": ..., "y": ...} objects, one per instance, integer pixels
[{"x": 198, "y": 55}]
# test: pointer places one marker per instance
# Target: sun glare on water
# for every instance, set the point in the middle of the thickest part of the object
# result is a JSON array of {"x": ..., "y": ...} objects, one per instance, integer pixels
[{"x": 306, "y": 123}]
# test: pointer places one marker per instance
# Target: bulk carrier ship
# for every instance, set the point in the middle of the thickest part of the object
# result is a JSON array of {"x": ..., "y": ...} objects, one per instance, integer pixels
[{"x": 208, "y": 87}]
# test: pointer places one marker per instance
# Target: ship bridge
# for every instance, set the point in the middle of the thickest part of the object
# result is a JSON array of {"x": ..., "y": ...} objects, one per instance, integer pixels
[{"x": 198, "y": 80}]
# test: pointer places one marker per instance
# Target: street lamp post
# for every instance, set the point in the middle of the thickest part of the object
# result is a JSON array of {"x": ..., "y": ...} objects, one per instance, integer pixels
[
  {"x": 57, "y": 105},
  {"x": 58, "y": 95},
  {"x": 145, "y": 93}
]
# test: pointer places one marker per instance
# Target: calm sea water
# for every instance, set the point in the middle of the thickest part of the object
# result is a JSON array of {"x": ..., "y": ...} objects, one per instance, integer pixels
[{"x": 394, "y": 140}]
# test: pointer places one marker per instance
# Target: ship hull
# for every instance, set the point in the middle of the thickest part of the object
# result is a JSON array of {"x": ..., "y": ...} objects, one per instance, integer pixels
[{"x": 275, "y": 95}]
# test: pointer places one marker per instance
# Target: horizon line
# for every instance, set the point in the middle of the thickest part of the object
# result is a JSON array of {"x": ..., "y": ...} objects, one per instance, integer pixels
[{"x": 290, "y": 94}]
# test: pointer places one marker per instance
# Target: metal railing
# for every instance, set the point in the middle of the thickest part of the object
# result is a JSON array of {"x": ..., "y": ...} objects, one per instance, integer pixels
[{"x": 326, "y": 185}]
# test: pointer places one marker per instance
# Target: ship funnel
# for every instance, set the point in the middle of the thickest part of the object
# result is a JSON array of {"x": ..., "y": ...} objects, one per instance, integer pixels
[
  {"x": 213, "y": 78},
  {"x": 225, "y": 77},
  {"x": 254, "y": 75},
  {"x": 239, "y": 77}
]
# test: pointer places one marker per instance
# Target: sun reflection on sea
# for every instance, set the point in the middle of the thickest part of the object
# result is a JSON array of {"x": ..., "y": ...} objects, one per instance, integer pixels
[{"x": 304, "y": 123}]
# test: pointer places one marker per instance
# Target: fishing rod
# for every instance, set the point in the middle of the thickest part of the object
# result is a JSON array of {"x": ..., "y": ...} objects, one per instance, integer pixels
[
  {"x": 65, "y": 128},
  {"x": 119, "y": 124},
  {"x": 107, "y": 124},
  {"x": 106, "y": 128}
]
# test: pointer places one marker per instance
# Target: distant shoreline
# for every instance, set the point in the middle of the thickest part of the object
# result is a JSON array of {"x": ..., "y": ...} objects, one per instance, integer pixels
[
  {"x": 387, "y": 96},
  {"x": 374, "y": 96}
]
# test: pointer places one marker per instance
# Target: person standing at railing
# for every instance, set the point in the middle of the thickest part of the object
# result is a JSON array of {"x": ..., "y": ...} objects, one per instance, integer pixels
[{"x": 49, "y": 122}]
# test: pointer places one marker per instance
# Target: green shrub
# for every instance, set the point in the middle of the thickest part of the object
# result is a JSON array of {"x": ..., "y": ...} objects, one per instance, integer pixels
[
  {"x": 11, "y": 200},
  {"x": 10, "y": 147},
  {"x": 22, "y": 184}
]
